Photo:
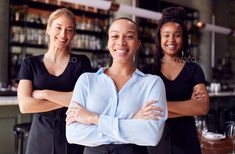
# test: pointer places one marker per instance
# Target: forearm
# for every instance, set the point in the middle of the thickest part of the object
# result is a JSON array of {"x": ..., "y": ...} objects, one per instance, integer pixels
[
  {"x": 88, "y": 135},
  {"x": 61, "y": 98},
  {"x": 129, "y": 130},
  {"x": 93, "y": 125},
  {"x": 28, "y": 103},
  {"x": 189, "y": 107},
  {"x": 174, "y": 115},
  {"x": 31, "y": 105}
]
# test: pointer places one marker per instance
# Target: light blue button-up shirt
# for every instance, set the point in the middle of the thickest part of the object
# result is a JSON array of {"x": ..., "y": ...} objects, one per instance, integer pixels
[{"x": 97, "y": 93}]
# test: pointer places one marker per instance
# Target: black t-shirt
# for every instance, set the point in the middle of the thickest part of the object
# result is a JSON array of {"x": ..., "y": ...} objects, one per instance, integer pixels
[
  {"x": 47, "y": 133},
  {"x": 33, "y": 69},
  {"x": 181, "y": 87},
  {"x": 181, "y": 132}
]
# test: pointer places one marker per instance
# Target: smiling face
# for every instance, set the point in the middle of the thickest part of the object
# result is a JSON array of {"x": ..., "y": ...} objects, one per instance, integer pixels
[
  {"x": 123, "y": 41},
  {"x": 61, "y": 32},
  {"x": 171, "y": 35}
]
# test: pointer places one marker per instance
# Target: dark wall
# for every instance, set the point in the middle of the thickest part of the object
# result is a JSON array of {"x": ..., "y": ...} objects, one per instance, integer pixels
[
  {"x": 4, "y": 33},
  {"x": 221, "y": 11},
  {"x": 223, "y": 17}
]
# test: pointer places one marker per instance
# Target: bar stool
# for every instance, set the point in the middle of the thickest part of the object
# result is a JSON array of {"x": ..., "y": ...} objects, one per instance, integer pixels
[{"x": 21, "y": 132}]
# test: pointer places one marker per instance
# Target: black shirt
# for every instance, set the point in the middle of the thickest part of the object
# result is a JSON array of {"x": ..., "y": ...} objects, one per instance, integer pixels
[
  {"x": 180, "y": 133},
  {"x": 47, "y": 133}
]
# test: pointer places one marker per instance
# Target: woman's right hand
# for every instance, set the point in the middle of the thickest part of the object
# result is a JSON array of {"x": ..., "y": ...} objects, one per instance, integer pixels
[
  {"x": 149, "y": 111},
  {"x": 79, "y": 114}
]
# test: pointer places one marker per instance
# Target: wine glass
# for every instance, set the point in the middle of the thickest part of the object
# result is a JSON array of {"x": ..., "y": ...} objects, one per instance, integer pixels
[{"x": 231, "y": 134}]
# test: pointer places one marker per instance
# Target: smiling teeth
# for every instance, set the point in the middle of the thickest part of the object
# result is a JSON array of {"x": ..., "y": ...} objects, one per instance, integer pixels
[
  {"x": 120, "y": 51},
  {"x": 171, "y": 46},
  {"x": 61, "y": 40}
]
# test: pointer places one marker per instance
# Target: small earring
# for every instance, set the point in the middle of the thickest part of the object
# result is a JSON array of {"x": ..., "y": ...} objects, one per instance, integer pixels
[{"x": 182, "y": 53}]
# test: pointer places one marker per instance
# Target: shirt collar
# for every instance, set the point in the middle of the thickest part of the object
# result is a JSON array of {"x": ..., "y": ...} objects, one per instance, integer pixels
[
  {"x": 101, "y": 70},
  {"x": 137, "y": 72}
]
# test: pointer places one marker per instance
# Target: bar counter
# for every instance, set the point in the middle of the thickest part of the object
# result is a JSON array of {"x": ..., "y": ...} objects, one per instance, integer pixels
[
  {"x": 8, "y": 100},
  {"x": 222, "y": 94},
  {"x": 221, "y": 110},
  {"x": 222, "y": 146},
  {"x": 9, "y": 116}
]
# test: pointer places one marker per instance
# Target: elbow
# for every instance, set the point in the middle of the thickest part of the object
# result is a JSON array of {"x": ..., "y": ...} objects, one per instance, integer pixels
[
  {"x": 206, "y": 107},
  {"x": 158, "y": 133},
  {"x": 69, "y": 136},
  {"x": 23, "y": 107},
  {"x": 203, "y": 109},
  {"x": 201, "y": 112},
  {"x": 157, "y": 137},
  {"x": 153, "y": 140},
  {"x": 23, "y": 110},
  {"x": 73, "y": 134}
]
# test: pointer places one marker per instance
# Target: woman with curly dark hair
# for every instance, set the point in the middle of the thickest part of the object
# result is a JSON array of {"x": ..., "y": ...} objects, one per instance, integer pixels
[{"x": 185, "y": 85}]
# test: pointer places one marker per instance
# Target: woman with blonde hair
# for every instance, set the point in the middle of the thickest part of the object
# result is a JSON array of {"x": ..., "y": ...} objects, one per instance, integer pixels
[{"x": 45, "y": 87}]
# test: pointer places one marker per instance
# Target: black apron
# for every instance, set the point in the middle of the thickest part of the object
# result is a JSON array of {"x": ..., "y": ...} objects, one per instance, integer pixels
[
  {"x": 116, "y": 149},
  {"x": 49, "y": 127}
]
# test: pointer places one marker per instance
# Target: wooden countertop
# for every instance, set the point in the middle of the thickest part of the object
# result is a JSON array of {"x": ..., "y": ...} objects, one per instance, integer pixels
[
  {"x": 223, "y": 146},
  {"x": 8, "y": 100}
]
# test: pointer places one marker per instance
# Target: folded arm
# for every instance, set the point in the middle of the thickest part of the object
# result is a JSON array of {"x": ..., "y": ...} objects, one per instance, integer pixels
[
  {"x": 149, "y": 111},
  {"x": 29, "y": 104},
  {"x": 93, "y": 129},
  {"x": 197, "y": 105},
  {"x": 139, "y": 131},
  {"x": 58, "y": 97}
]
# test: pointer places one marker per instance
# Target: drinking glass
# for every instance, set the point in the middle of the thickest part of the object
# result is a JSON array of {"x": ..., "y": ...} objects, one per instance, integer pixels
[
  {"x": 231, "y": 134},
  {"x": 201, "y": 125}
]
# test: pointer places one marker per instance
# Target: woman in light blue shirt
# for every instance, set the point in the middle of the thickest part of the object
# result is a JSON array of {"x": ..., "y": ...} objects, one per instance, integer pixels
[{"x": 118, "y": 109}]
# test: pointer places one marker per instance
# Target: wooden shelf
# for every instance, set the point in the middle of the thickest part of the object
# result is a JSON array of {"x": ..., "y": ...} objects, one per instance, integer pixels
[
  {"x": 52, "y": 7},
  {"x": 41, "y": 46},
  {"x": 43, "y": 27}
]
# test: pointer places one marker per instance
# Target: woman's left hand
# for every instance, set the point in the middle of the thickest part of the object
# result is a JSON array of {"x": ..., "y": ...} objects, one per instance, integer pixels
[
  {"x": 198, "y": 95},
  {"x": 80, "y": 114},
  {"x": 149, "y": 111}
]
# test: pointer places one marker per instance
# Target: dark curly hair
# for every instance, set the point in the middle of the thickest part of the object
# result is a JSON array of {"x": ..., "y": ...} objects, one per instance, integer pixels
[{"x": 177, "y": 15}]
